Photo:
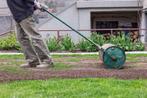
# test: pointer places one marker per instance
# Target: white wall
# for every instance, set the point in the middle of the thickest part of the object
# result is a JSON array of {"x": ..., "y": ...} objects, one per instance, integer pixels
[
  {"x": 107, "y": 3},
  {"x": 85, "y": 21},
  {"x": 143, "y": 26},
  {"x": 145, "y": 4},
  {"x": 4, "y": 11},
  {"x": 144, "y": 23},
  {"x": 71, "y": 17},
  {"x": 3, "y": 3},
  {"x": 78, "y": 16}
]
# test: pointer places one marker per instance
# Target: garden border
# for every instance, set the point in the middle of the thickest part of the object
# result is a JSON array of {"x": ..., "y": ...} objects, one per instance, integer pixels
[{"x": 70, "y": 53}]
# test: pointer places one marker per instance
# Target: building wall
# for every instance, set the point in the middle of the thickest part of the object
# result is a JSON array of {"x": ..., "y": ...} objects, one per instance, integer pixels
[
  {"x": 4, "y": 10},
  {"x": 6, "y": 24},
  {"x": 125, "y": 19},
  {"x": 85, "y": 16},
  {"x": 144, "y": 22},
  {"x": 144, "y": 4},
  {"x": 79, "y": 15},
  {"x": 143, "y": 26},
  {"x": 107, "y": 3},
  {"x": 85, "y": 22},
  {"x": 70, "y": 16},
  {"x": 3, "y": 3},
  {"x": 86, "y": 7},
  {"x": 5, "y": 17}
]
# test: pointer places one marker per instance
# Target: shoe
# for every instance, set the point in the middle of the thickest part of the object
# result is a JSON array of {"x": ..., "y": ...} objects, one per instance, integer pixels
[
  {"x": 27, "y": 65},
  {"x": 45, "y": 65}
]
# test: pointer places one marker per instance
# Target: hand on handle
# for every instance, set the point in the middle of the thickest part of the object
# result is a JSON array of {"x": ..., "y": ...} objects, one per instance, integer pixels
[{"x": 40, "y": 6}]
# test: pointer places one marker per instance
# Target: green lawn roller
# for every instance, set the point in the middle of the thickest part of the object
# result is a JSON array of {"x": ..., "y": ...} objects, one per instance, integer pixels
[{"x": 111, "y": 55}]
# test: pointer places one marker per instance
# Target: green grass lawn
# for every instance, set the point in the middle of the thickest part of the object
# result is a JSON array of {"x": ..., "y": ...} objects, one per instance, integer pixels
[
  {"x": 70, "y": 88},
  {"x": 75, "y": 88}
]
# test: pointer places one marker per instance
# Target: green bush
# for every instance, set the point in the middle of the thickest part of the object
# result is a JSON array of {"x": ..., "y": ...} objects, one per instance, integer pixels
[
  {"x": 139, "y": 46},
  {"x": 9, "y": 43},
  {"x": 125, "y": 43},
  {"x": 53, "y": 44},
  {"x": 121, "y": 41},
  {"x": 84, "y": 45},
  {"x": 67, "y": 44},
  {"x": 97, "y": 38}
]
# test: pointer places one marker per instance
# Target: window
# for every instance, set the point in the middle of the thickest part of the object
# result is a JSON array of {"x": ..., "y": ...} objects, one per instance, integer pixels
[{"x": 106, "y": 25}]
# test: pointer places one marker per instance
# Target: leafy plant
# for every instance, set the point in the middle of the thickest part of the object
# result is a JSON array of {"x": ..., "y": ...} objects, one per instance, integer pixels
[
  {"x": 139, "y": 46},
  {"x": 84, "y": 45},
  {"x": 67, "y": 43},
  {"x": 9, "y": 43},
  {"x": 53, "y": 44},
  {"x": 126, "y": 43},
  {"x": 97, "y": 38},
  {"x": 121, "y": 40}
]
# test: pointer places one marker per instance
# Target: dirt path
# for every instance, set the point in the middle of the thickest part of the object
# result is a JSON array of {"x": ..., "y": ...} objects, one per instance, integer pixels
[
  {"x": 102, "y": 73},
  {"x": 84, "y": 68}
]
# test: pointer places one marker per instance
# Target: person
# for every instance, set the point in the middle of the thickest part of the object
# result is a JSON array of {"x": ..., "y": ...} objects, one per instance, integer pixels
[{"x": 31, "y": 42}]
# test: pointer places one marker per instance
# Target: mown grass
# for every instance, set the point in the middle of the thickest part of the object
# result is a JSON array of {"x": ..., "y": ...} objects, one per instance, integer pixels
[
  {"x": 75, "y": 88},
  {"x": 20, "y": 56}
]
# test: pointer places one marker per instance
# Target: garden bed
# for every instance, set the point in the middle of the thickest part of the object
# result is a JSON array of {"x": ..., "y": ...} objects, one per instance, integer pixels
[{"x": 74, "y": 66}]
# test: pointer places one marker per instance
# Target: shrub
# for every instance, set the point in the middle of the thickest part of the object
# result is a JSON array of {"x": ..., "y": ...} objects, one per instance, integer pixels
[
  {"x": 97, "y": 38},
  {"x": 84, "y": 45},
  {"x": 121, "y": 41},
  {"x": 64, "y": 44},
  {"x": 9, "y": 43},
  {"x": 53, "y": 44},
  {"x": 67, "y": 44},
  {"x": 139, "y": 46},
  {"x": 125, "y": 43}
]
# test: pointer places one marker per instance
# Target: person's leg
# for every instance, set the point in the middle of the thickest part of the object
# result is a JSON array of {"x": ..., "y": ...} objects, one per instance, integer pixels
[
  {"x": 27, "y": 49},
  {"x": 29, "y": 26}
]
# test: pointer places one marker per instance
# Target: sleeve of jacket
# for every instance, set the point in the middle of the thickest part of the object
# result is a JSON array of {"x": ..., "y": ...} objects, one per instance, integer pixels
[
  {"x": 30, "y": 1},
  {"x": 30, "y": 4}
]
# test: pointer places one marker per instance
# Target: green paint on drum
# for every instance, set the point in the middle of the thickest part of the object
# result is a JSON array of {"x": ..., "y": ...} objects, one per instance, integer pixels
[{"x": 114, "y": 57}]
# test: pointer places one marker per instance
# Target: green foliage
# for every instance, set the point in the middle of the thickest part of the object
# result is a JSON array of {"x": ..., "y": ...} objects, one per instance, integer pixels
[
  {"x": 84, "y": 45},
  {"x": 97, "y": 38},
  {"x": 64, "y": 44},
  {"x": 121, "y": 41},
  {"x": 67, "y": 43},
  {"x": 139, "y": 46},
  {"x": 126, "y": 43},
  {"x": 53, "y": 44},
  {"x": 9, "y": 43}
]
